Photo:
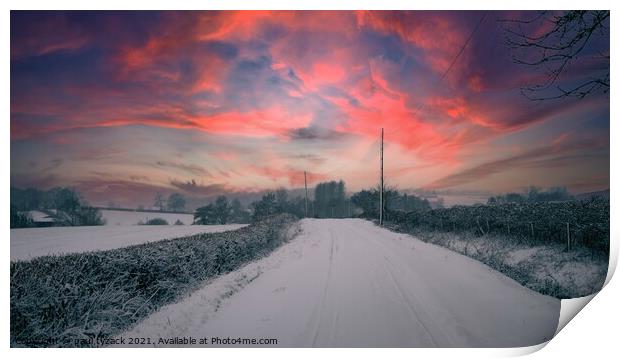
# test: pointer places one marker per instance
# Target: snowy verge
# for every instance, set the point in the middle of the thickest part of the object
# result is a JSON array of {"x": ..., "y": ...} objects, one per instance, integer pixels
[
  {"x": 181, "y": 318},
  {"x": 546, "y": 268}
]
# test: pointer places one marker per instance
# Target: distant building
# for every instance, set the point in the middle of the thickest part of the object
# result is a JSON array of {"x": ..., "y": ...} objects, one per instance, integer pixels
[{"x": 41, "y": 219}]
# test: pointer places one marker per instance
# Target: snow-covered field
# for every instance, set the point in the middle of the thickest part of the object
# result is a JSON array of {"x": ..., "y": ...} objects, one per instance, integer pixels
[
  {"x": 121, "y": 230},
  {"x": 33, "y": 242},
  {"x": 127, "y": 218},
  {"x": 348, "y": 283}
]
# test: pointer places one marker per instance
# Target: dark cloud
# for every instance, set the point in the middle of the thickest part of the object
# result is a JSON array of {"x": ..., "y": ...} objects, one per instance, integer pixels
[
  {"x": 226, "y": 50},
  {"x": 192, "y": 187},
  {"x": 188, "y": 168},
  {"x": 315, "y": 133},
  {"x": 53, "y": 164},
  {"x": 99, "y": 191},
  {"x": 44, "y": 181},
  {"x": 560, "y": 153},
  {"x": 311, "y": 158}
]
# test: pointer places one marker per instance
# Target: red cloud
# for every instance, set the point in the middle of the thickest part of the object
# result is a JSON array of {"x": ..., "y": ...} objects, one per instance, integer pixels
[
  {"x": 258, "y": 123},
  {"x": 435, "y": 34},
  {"x": 301, "y": 76},
  {"x": 322, "y": 73},
  {"x": 383, "y": 106}
]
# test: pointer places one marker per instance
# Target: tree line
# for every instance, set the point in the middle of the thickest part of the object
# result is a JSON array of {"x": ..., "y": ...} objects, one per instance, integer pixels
[
  {"x": 221, "y": 212},
  {"x": 175, "y": 202},
  {"x": 329, "y": 200},
  {"x": 532, "y": 195},
  {"x": 64, "y": 205},
  {"x": 393, "y": 201}
]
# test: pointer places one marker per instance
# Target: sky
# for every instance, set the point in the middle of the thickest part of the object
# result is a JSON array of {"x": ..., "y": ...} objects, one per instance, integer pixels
[{"x": 122, "y": 105}]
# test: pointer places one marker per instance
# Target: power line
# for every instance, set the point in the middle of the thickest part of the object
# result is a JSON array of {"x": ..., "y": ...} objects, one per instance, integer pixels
[{"x": 464, "y": 45}]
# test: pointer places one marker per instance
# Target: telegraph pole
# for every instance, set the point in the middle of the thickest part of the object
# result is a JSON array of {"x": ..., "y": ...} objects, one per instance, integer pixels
[
  {"x": 306, "y": 186},
  {"x": 381, "y": 186}
]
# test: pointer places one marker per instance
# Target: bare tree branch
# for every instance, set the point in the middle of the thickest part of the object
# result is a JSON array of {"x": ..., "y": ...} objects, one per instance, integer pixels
[{"x": 563, "y": 39}]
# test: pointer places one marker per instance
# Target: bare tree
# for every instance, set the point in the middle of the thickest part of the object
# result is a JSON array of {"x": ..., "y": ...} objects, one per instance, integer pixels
[
  {"x": 159, "y": 202},
  {"x": 176, "y": 202},
  {"x": 222, "y": 209},
  {"x": 551, "y": 42}
]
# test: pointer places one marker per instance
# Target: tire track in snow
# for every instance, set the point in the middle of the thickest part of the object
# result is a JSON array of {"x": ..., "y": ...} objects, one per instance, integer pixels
[
  {"x": 326, "y": 289},
  {"x": 411, "y": 308},
  {"x": 398, "y": 288}
]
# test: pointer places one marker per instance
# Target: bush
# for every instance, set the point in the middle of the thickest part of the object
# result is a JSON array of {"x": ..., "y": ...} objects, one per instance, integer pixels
[
  {"x": 156, "y": 221},
  {"x": 20, "y": 219},
  {"x": 87, "y": 216},
  {"x": 178, "y": 222},
  {"x": 66, "y": 300},
  {"x": 69, "y": 208}
]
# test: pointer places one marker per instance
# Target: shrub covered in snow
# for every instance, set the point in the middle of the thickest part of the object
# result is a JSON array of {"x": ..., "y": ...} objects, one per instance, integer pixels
[
  {"x": 20, "y": 219},
  {"x": 66, "y": 300},
  {"x": 585, "y": 223},
  {"x": 156, "y": 221}
]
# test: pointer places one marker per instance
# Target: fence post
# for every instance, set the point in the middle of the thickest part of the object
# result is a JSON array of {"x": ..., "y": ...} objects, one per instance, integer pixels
[
  {"x": 488, "y": 228},
  {"x": 532, "y": 227}
]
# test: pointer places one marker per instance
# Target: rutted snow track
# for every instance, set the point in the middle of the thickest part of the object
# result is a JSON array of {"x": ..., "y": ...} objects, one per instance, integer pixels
[{"x": 348, "y": 283}]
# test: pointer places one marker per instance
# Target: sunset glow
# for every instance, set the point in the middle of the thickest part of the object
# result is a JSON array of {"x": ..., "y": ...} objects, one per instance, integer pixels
[{"x": 122, "y": 105}]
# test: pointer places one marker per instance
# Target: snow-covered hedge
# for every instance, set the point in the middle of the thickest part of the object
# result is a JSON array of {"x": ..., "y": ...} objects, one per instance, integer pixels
[
  {"x": 66, "y": 300},
  {"x": 574, "y": 223}
]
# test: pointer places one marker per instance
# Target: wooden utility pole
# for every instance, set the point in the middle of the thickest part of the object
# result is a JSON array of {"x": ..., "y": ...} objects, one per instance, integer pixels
[
  {"x": 381, "y": 186},
  {"x": 306, "y": 186}
]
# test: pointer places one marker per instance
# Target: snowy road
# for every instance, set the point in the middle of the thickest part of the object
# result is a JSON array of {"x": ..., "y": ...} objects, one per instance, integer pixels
[{"x": 348, "y": 283}]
